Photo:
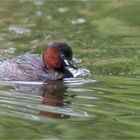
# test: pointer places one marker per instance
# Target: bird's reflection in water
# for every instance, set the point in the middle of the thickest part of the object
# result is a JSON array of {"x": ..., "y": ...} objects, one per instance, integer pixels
[{"x": 52, "y": 93}]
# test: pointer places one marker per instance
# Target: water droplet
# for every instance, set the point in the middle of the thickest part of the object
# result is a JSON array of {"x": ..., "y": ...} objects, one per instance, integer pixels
[
  {"x": 19, "y": 30},
  {"x": 63, "y": 9},
  {"x": 78, "y": 21},
  {"x": 39, "y": 13}
]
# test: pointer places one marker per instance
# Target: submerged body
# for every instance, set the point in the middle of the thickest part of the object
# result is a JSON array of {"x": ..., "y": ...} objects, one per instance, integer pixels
[{"x": 35, "y": 67}]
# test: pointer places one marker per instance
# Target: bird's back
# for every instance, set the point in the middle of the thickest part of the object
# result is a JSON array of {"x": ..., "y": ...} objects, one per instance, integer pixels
[{"x": 28, "y": 67}]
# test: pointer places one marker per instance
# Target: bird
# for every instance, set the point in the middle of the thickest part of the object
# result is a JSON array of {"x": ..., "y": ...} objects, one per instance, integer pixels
[{"x": 50, "y": 65}]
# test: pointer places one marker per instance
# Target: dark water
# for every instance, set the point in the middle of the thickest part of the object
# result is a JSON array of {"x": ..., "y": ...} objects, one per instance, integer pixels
[{"x": 103, "y": 101}]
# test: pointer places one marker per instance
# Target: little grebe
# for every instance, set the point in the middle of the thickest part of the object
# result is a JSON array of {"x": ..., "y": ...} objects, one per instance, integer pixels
[{"x": 51, "y": 65}]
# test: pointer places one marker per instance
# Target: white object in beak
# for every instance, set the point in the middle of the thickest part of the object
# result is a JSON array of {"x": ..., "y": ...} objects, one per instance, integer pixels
[{"x": 66, "y": 62}]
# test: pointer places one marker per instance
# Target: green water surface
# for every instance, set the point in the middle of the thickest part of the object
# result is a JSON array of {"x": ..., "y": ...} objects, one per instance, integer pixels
[{"x": 105, "y": 35}]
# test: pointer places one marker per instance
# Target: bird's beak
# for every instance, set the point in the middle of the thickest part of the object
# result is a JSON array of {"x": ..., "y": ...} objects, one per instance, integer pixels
[{"x": 70, "y": 63}]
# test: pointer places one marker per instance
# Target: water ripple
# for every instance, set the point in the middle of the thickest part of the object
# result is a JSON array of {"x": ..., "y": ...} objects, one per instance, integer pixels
[{"x": 38, "y": 98}]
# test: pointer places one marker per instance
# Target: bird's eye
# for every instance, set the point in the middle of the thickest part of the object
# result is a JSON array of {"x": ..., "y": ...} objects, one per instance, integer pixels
[{"x": 62, "y": 56}]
